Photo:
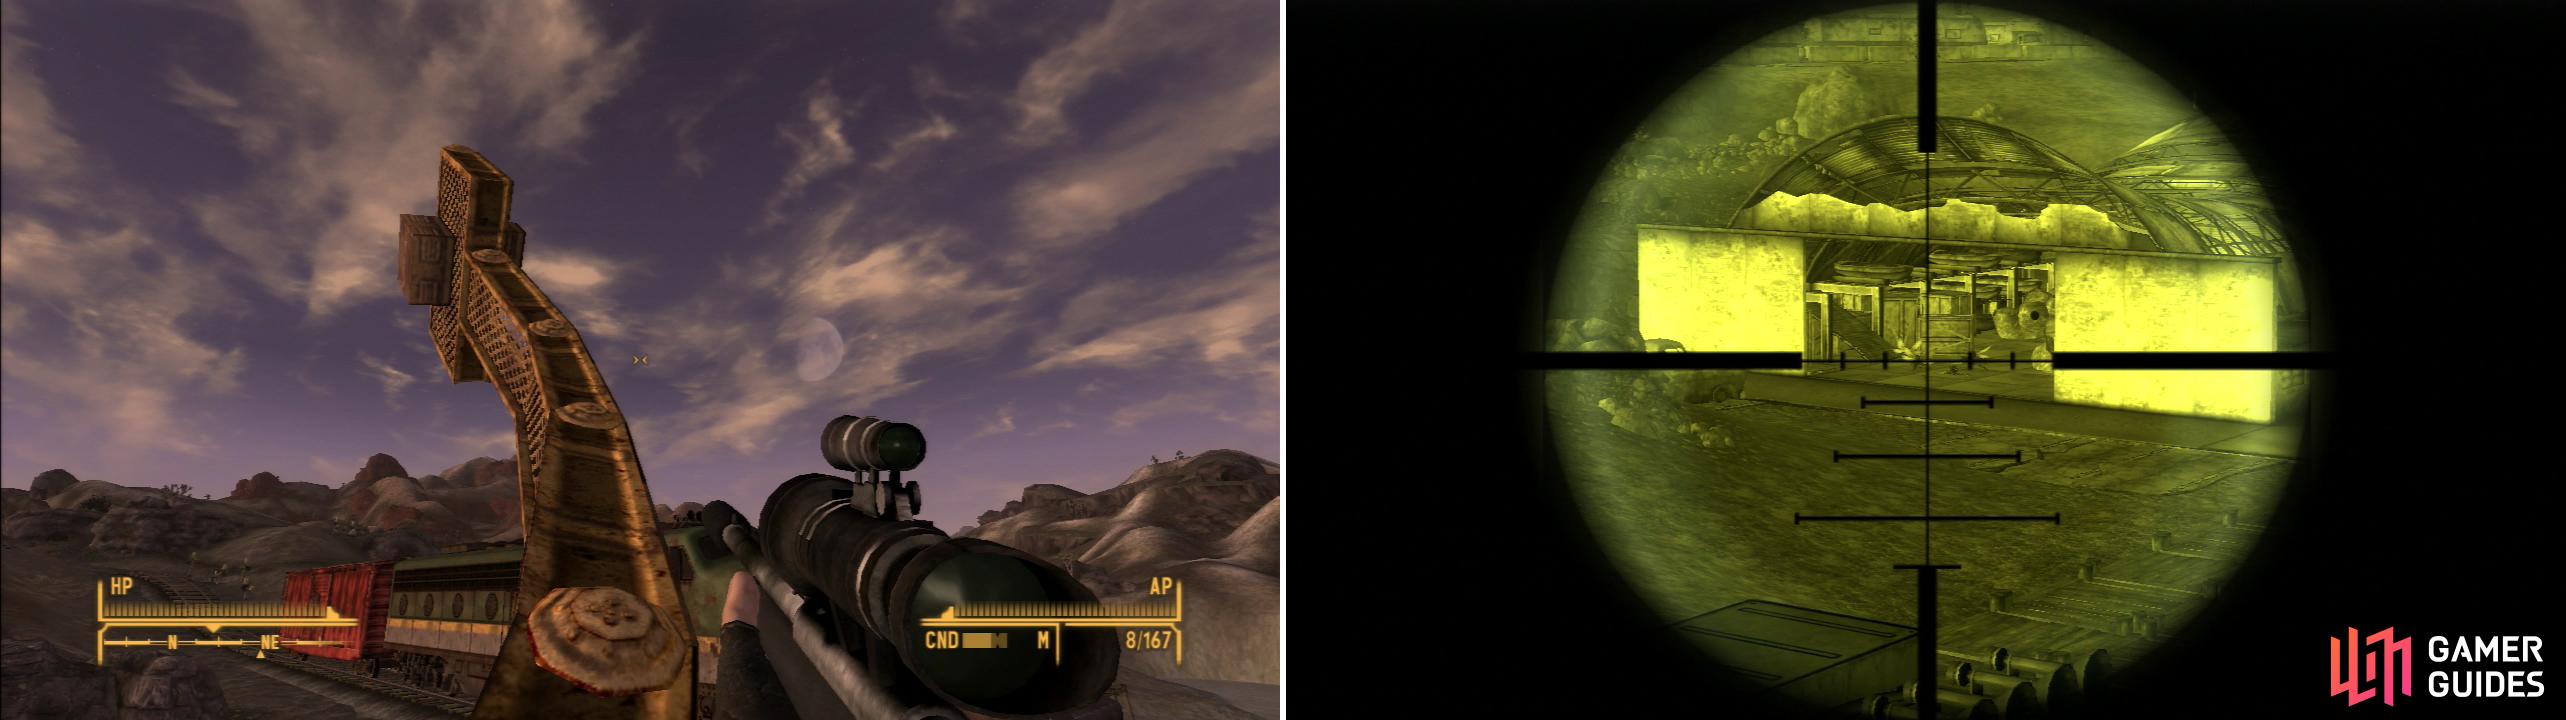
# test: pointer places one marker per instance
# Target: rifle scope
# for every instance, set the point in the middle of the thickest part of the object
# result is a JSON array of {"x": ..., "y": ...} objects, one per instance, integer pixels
[{"x": 841, "y": 538}]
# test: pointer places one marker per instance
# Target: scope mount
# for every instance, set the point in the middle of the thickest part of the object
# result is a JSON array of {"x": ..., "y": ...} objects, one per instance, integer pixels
[{"x": 889, "y": 498}]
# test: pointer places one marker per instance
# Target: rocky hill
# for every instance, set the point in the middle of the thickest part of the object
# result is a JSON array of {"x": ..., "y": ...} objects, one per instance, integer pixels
[
  {"x": 1212, "y": 522},
  {"x": 381, "y": 513},
  {"x": 264, "y": 494}
]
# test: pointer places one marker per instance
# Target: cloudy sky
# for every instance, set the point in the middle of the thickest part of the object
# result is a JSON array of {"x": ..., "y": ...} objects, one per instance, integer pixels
[{"x": 1048, "y": 230}]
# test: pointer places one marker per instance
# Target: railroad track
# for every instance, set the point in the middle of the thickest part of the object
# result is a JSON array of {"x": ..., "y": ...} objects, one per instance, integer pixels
[
  {"x": 181, "y": 591},
  {"x": 444, "y": 703}
]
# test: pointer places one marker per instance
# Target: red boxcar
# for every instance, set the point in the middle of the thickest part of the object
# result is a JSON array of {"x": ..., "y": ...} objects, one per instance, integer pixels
[{"x": 356, "y": 590}]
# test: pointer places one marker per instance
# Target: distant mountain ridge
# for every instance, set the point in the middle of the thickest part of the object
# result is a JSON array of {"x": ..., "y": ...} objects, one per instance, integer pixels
[{"x": 1212, "y": 522}]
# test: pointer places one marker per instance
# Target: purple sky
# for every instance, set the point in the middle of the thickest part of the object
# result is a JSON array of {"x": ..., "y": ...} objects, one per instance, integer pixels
[{"x": 1049, "y": 232}]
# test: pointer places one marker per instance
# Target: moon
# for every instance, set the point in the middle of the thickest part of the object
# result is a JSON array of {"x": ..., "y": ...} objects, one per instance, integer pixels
[{"x": 817, "y": 350}]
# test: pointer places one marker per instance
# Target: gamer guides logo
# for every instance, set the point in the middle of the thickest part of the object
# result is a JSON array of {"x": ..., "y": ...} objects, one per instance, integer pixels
[{"x": 2382, "y": 666}]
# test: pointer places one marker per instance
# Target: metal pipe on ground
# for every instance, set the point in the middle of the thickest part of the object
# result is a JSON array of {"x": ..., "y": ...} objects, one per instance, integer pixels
[
  {"x": 2093, "y": 669},
  {"x": 2013, "y": 693},
  {"x": 1955, "y": 701},
  {"x": 2014, "y": 700},
  {"x": 1959, "y": 674},
  {"x": 2056, "y": 680}
]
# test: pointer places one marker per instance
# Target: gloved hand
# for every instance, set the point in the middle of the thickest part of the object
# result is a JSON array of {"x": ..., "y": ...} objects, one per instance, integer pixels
[{"x": 745, "y": 686}]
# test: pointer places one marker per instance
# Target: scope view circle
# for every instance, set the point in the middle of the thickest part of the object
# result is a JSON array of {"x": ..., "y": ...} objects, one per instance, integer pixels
[{"x": 1783, "y": 201}]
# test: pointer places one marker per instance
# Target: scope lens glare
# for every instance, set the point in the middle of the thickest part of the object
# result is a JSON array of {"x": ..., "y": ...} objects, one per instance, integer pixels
[{"x": 900, "y": 446}]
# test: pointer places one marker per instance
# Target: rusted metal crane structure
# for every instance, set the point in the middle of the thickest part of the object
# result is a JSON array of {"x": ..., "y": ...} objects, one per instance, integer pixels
[{"x": 604, "y": 634}]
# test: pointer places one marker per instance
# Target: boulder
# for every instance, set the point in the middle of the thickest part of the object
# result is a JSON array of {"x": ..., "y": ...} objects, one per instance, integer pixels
[
  {"x": 165, "y": 685},
  {"x": 39, "y": 680},
  {"x": 52, "y": 481},
  {"x": 1833, "y": 104},
  {"x": 161, "y": 529},
  {"x": 1658, "y": 405},
  {"x": 49, "y": 524}
]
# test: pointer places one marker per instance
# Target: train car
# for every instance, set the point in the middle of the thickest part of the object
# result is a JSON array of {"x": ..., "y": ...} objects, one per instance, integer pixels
[
  {"x": 354, "y": 590},
  {"x": 436, "y": 622},
  {"x": 449, "y": 615}
]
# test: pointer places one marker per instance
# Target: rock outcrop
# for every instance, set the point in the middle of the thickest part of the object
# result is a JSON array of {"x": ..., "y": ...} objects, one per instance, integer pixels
[
  {"x": 1657, "y": 404},
  {"x": 1594, "y": 335},
  {"x": 397, "y": 502},
  {"x": 40, "y": 680},
  {"x": 357, "y": 497},
  {"x": 161, "y": 528},
  {"x": 100, "y": 496},
  {"x": 49, "y": 524},
  {"x": 379, "y": 466},
  {"x": 165, "y": 685},
  {"x": 14, "y": 501},
  {"x": 52, "y": 481},
  {"x": 291, "y": 502}
]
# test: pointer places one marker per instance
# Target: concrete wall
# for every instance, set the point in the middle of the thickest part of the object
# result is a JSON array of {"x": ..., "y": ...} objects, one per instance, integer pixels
[
  {"x": 1721, "y": 292},
  {"x": 2112, "y": 303}
]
